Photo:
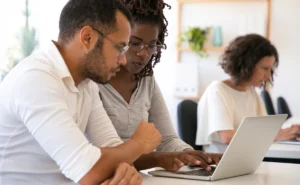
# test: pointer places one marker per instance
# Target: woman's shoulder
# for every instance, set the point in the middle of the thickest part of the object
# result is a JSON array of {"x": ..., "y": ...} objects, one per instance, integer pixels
[
  {"x": 148, "y": 79},
  {"x": 216, "y": 86},
  {"x": 215, "y": 89},
  {"x": 148, "y": 82},
  {"x": 104, "y": 88}
]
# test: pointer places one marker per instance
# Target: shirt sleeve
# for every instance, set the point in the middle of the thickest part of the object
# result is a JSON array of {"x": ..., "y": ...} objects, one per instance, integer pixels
[
  {"x": 38, "y": 100},
  {"x": 213, "y": 115},
  {"x": 159, "y": 115},
  {"x": 100, "y": 129}
]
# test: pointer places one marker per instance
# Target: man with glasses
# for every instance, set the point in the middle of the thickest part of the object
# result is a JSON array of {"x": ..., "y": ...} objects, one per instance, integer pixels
[{"x": 53, "y": 127}]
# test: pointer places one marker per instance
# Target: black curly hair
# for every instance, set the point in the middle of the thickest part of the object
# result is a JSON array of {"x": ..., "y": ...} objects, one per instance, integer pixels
[
  {"x": 243, "y": 53},
  {"x": 149, "y": 12}
]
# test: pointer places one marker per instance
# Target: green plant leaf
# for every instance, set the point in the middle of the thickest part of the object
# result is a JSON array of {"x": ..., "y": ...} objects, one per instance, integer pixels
[{"x": 196, "y": 38}]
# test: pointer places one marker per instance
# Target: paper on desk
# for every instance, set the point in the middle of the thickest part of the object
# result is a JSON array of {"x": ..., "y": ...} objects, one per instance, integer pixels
[{"x": 289, "y": 142}]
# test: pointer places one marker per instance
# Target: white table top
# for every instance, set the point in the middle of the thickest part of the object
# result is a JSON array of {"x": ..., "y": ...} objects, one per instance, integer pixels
[
  {"x": 267, "y": 174},
  {"x": 286, "y": 151}
]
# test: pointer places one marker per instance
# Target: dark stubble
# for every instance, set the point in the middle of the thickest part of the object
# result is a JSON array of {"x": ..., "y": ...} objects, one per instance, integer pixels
[{"x": 95, "y": 67}]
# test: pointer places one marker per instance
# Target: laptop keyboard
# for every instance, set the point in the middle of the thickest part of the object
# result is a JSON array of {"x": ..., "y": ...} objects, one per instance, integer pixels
[{"x": 199, "y": 172}]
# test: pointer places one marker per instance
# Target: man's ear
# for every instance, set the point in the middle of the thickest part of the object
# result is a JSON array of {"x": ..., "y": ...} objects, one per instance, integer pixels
[{"x": 88, "y": 37}]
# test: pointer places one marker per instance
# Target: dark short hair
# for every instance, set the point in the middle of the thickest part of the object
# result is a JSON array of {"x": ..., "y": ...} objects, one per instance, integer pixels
[
  {"x": 242, "y": 55},
  {"x": 150, "y": 12},
  {"x": 96, "y": 13}
]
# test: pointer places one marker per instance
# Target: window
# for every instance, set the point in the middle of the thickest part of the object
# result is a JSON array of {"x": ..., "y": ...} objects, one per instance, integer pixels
[{"x": 18, "y": 41}]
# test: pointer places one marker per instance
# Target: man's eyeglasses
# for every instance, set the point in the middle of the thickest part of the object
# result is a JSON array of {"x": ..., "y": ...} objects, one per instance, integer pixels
[
  {"x": 151, "y": 48},
  {"x": 122, "y": 49}
]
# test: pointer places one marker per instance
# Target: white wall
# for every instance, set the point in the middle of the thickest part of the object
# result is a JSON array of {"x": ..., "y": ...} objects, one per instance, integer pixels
[
  {"x": 285, "y": 34},
  {"x": 165, "y": 71}
]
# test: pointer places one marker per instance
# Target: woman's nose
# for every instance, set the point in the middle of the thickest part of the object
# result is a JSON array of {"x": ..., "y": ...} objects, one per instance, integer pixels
[{"x": 143, "y": 51}]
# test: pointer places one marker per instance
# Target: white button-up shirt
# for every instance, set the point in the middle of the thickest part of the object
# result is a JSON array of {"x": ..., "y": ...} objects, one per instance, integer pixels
[{"x": 50, "y": 130}]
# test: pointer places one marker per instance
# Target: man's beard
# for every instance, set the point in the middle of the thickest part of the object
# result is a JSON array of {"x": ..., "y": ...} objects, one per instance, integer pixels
[{"x": 95, "y": 65}]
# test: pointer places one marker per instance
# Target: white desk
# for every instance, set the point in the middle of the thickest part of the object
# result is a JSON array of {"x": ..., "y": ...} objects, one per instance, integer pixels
[
  {"x": 286, "y": 151},
  {"x": 266, "y": 174}
]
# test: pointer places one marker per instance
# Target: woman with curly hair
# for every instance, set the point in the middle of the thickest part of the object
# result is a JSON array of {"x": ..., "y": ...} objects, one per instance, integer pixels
[
  {"x": 250, "y": 62},
  {"x": 133, "y": 94}
]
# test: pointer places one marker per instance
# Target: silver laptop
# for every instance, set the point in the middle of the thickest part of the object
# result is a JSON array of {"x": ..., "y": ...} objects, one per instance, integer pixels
[{"x": 243, "y": 155}]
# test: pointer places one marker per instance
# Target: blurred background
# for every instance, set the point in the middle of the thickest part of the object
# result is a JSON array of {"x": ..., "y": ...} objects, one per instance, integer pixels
[{"x": 28, "y": 25}]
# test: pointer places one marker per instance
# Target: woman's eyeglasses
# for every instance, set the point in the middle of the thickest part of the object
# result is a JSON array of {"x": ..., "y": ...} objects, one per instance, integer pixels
[{"x": 151, "y": 48}]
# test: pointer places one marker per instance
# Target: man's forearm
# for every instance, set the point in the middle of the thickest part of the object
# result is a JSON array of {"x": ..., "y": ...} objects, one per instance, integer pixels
[{"x": 110, "y": 158}]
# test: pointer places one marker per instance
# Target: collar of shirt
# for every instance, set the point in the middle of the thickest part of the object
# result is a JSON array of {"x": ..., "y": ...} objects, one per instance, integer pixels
[{"x": 62, "y": 69}]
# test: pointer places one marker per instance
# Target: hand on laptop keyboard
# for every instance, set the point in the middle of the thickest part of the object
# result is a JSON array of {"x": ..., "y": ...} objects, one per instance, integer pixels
[
  {"x": 173, "y": 161},
  {"x": 209, "y": 158},
  {"x": 291, "y": 133}
]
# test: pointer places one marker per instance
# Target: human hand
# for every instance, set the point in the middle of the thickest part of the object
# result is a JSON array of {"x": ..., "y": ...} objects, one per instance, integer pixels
[
  {"x": 205, "y": 158},
  {"x": 289, "y": 134},
  {"x": 124, "y": 175},
  {"x": 148, "y": 136},
  {"x": 173, "y": 161}
]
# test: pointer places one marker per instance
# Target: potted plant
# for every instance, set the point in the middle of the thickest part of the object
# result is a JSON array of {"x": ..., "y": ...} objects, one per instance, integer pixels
[{"x": 196, "y": 37}]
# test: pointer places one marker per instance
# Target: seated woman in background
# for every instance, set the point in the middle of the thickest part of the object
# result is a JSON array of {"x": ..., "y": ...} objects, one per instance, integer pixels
[
  {"x": 250, "y": 62},
  {"x": 133, "y": 94}
]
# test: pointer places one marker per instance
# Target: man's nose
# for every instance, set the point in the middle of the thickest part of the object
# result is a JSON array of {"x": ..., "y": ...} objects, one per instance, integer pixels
[{"x": 122, "y": 60}]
